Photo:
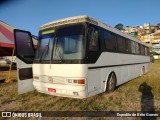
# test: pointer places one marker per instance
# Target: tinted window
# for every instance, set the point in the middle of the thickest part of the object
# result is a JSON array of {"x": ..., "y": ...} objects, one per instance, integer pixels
[
  {"x": 133, "y": 47},
  {"x": 24, "y": 46},
  {"x": 70, "y": 31},
  {"x": 120, "y": 44},
  {"x": 110, "y": 42},
  {"x": 146, "y": 52},
  {"x": 142, "y": 50},
  {"x": 137, "y": 48},
  {"x": 128, "y": 46},
  {"x": 93, "y": 39}
]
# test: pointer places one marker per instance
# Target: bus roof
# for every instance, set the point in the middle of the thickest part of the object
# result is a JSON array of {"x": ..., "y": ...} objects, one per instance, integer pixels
[{"x": 85, "y": 18}]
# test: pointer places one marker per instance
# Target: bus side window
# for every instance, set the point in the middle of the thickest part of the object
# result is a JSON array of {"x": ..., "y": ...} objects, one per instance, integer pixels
[
  {"x": 146, "y": 51},
  {"x": 110, "y": 41},
  {"x": 137, "y": 48},
  {"x": 128, "y": 46},
  {"x": 93, "y": 39},
  {"x": 142, "y": 50},
  {"x": 121, "y": 44},
  {"x": 133, "y": 47}
]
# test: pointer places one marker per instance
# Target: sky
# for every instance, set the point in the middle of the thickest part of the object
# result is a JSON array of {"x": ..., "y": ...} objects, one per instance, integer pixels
[{"x": 31, "y": 14}]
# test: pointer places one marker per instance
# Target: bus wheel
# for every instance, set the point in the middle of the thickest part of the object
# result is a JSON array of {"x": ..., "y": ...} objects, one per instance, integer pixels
[{"x": 111, "y": 83}]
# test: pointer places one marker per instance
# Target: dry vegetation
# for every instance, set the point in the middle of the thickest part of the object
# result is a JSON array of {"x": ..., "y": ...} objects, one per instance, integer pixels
[{"x": 127, "y": 97}]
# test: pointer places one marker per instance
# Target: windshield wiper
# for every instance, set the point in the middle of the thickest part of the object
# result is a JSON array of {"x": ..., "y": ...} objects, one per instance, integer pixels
[
  {"x": 58, "y": 51},
  {"x": 45, "y": 50}
]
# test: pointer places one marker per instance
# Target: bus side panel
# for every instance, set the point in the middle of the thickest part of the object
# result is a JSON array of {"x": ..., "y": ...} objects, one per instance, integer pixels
[
  {"x": 97, "y": 79},
  {"x": 93, "y": 80},
  {"x": 125, "y": 66},
  {"x": 131, "y": 72}
]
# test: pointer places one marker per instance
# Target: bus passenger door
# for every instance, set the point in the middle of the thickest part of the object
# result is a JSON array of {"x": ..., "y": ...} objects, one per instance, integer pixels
[
  {"x": 24, "y": 56},
  {"x": 93, "y": 75}
]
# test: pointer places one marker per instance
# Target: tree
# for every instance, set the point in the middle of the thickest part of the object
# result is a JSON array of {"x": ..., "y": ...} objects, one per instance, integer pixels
[
  {"x": 153, "y": 30},
  {"x": 136, "y": 33},
  {"x": 119, "y": 26}
]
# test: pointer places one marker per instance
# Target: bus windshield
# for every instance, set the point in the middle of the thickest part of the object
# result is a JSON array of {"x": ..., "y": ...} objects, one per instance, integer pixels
[{"x": 65, "y": 43}]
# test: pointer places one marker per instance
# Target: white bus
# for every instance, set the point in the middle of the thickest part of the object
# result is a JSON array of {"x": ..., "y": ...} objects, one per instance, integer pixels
[{"x": 78, "y": 57}]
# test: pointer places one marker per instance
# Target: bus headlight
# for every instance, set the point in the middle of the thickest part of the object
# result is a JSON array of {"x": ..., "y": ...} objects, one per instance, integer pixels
[{"x": 76, "y": 81}]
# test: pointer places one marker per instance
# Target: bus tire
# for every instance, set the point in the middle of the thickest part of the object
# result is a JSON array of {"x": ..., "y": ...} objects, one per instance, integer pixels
[{"x": 111, "y": 83}]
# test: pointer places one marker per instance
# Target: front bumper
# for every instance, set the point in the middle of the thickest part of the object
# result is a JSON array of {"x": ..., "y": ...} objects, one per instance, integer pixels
[{"x": 72, "y": 91}]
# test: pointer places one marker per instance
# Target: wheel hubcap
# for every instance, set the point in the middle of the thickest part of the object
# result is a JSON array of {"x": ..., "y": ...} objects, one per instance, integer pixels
[{"x": 111, "y": 82}]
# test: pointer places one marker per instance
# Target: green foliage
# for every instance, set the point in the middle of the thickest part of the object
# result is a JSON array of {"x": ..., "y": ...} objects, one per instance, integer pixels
[
  {"x": 119, "y": 26},
  {"x": 136, "y": 33},
  {"x": 153, "y": 30}
]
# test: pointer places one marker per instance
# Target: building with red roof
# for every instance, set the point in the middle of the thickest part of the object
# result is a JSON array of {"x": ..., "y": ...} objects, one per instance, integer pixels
[{"x": 6, "y": 39}]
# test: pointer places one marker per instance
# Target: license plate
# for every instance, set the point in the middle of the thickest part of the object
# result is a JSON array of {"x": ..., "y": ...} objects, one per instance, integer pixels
[{"x": 52, "y": 90}]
